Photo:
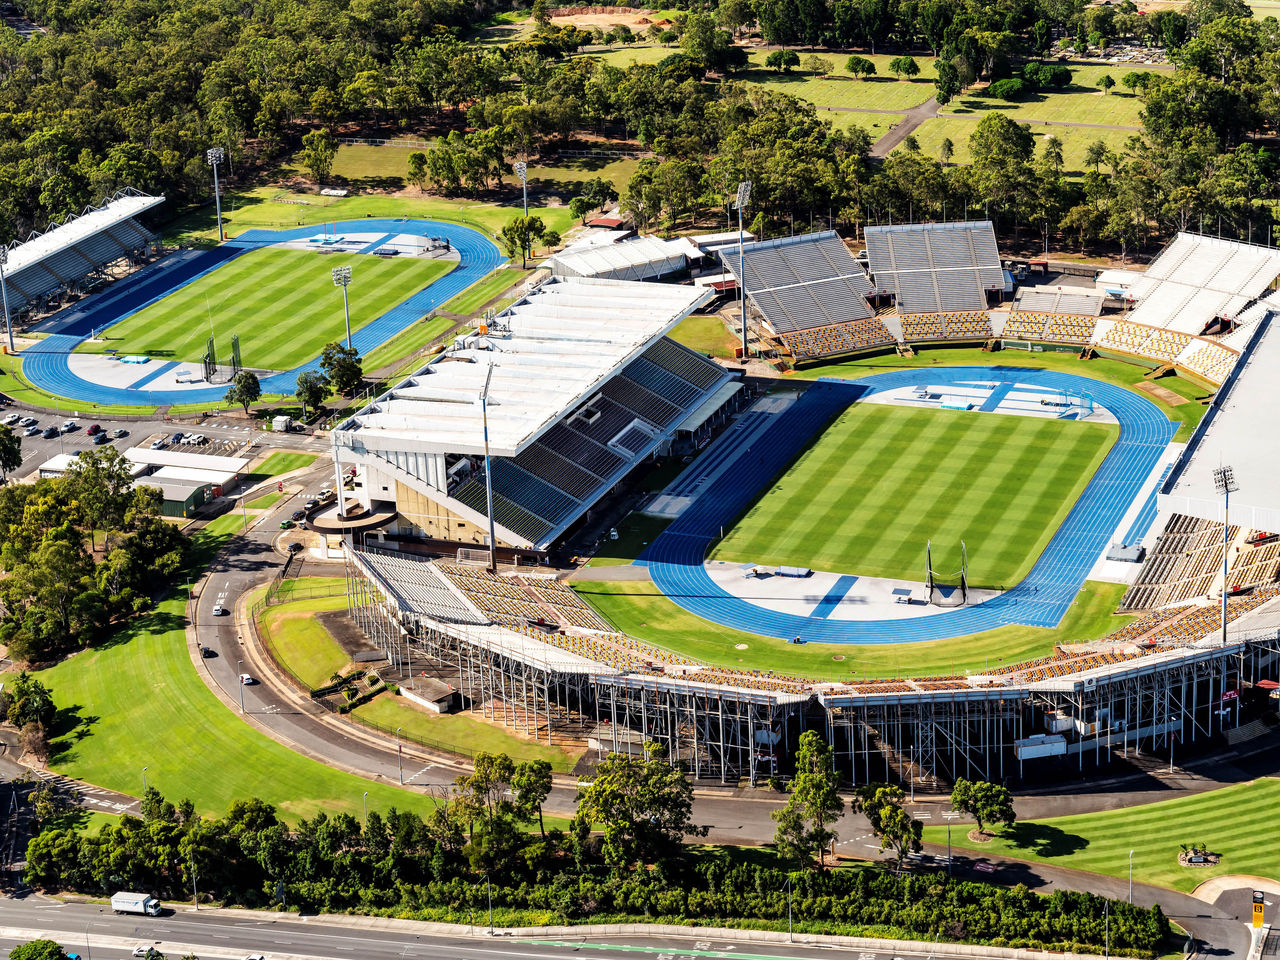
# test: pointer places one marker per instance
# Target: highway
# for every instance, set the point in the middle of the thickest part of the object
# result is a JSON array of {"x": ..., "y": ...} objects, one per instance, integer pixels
[{"x": 95, "y": 933}]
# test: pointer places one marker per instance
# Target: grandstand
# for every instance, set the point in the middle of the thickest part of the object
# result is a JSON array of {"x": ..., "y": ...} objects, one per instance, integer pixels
[
  {"x": 936, "y": 268},
  {"x": 640, "y": 258},
  {"x": 68, "y": 254},
  {"x": 583, "y": 386}
]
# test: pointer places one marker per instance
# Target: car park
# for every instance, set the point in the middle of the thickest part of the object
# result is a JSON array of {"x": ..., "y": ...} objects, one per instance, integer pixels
[
  {"x": 32, "y": 430},
  {"x": 119, "y": 433},
  {"x": 50, "y": 433}
]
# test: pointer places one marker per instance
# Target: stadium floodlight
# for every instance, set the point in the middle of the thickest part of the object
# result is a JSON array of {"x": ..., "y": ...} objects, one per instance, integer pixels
[
  {"x": 342, "y": 278},
  {"x": 4, "y": 296},
  {"x": 488, "y": 469},
  {"x": 522, "y": 171},
  {"x": 743, "y": 198},
  {"x": 1224, "y": 481},
  {"x": 214, "y": 156}
]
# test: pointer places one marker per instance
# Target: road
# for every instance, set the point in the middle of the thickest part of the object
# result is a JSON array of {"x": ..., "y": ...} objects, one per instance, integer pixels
[{"x": 94, "y": 932}]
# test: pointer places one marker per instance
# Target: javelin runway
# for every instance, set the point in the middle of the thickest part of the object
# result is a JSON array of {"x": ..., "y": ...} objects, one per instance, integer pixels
[
  {"x": 45, "y": 364},
  {"x": 675, "y": 559}
]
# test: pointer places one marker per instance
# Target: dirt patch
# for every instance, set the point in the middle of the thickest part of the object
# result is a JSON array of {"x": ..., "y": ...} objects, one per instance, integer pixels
[
  {"x": 1162, "y": 393},
  {"x": 636, "y": 20},
  {"x": 980, "y": 836}
]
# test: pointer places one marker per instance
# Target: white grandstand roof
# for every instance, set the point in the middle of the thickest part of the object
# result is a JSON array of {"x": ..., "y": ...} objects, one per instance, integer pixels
[
  {"x": 77, "y": 229},
  {"x": 177, "y": 458},
  {"x": 1237, "y": 437},
  {"x": 639, "y": 258},
  {"x": 547, "y": 351}
]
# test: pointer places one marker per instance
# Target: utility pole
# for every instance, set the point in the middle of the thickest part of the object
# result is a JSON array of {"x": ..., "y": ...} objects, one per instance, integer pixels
[
  {"x": 214, "y": 156},
  {"x": 744, "y": 197}
]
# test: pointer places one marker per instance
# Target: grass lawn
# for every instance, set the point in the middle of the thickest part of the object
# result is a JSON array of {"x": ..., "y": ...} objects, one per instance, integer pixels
[
  {"x": 282, "y": 461},
  {"x": 1118, "y": 372},
  {"x": 406, "y": 343},
  {"x": 301, "y": 643},
  {"x": 1075, "y": 140},
  {"x": 459, "y": 732},
  {"x": 637, "y": 608},
  {"x": 266, "y": 501},
  {"x": 137, "y": 702},
  {"x": 706, "y": 334},
  {"x": 248, "y": 209},
  {"x": 566, "y": 178},
  {"x": 841, "y": 89},
  {"x": 1234, "y": 821},
  {"x": 876, "y": 124},
  {"x": 883, "y": 480},
  {"x": 234, "y": 521},
  {"x": 1082, "y": 102},
  {"x": 263, "y": 296},
  {"x": 634, "y": 534},
  {"x": 304, "y": 587},
  {"x": 482, "y": 291}
]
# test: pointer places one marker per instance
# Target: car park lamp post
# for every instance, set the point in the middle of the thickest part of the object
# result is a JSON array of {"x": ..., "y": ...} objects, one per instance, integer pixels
[
  {"x": 4, "y": 297},
  {"x": 144, "y": 780},
  {"x": 744, "y": 197},
  {"x": 366, "y": 809},
  {"x": 214, "y": 156},
  {"x": 240, "y": 680},
  {"x": 342, "y": 278},
  {"x": 399, "y": 756},
  {"x": 1224, "y": 481}
]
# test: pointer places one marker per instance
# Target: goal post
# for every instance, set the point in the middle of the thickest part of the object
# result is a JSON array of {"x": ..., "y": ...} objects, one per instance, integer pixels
[{"x": 947, "y": 588}]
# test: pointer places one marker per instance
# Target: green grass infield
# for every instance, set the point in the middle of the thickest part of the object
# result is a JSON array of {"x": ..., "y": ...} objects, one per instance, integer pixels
[{"x": 883, "y": 481}]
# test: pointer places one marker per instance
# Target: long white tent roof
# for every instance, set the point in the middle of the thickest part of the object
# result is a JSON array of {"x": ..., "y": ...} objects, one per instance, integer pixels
[
  {"x": 77, "y": 229},
  {"x": 546, "y": 352}
]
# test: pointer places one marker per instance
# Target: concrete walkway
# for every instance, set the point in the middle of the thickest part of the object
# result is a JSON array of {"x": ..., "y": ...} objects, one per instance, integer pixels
[{"x": 911, "y": 121}]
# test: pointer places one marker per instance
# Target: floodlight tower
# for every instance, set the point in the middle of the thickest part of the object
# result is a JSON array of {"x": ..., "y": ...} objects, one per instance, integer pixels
[
  {"x": 4, "y": 296},
  {"x": 1224, "y": 481},
  {"x": 488, "y": 471},
  {"x": 744, "y": 197},
  {"x": 342, "y": 278},
  {"x": 214, "y": 156},
  {"x": 522, "y": 171}
]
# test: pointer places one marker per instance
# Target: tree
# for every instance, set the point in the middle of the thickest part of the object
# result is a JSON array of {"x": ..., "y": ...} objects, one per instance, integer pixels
[
  {"x": 860, "y": 67},
  {"x": 946, "y": 150},
  {"x": 904, "y": 66},
  {"x": 10, "y": 452},
  {"x": 947, "y": 85},
  {"x": 985, "y": 802},
  {"x": 38, "y": 950},
  {"x": 418, "y": 169},
  {"x": 644, "y": 804},
  {"x": 318, "y": 152},
  {"x": 531, "y": 782},
  {"x": 1095, "y": 153},
  {"x": 882, "y": 805},
  {"x": 311, "y": 391},
  {"x": 340, "y": 365},
  {"x": 99, "y": 482},
  {"x": 27, "y": 700},
  {"x": 818, "y": 66},
  {"x": 520, "y": 235},
  {"x": 804, "y": 824},
  {"x": 542, "y": 14},
  {"x": 245, "y": 389},
  {"x": 782, "y": 60},
  {"x": 1106, "y": 83}
]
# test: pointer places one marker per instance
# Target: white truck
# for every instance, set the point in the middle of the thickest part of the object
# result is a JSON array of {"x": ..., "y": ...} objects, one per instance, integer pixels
[{"x": 139, "y": 903}]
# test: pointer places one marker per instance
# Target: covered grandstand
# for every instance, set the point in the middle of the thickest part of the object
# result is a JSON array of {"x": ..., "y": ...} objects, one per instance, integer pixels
[
  {"x": 68, "y": 254},
  {"x": 583, "y": 385},
  {"x": 936, "y": 268},
  {"x": 640, "y": 258}
]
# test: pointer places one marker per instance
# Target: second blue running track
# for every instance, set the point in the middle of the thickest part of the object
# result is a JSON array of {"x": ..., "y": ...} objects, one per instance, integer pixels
[{"x": 675, "y": 559}]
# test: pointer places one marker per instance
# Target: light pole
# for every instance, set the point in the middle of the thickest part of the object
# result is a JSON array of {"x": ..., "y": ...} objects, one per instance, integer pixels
[
  {"x": 4, "y": 296},
  {"x": 366, "y": 809},
  {"x": 488, "y": 471},
  {"x": 214, "y": 156},
  {"x": 1106, "y": 928},
  {"x": 489, "y": 890},
  {"x": 195, "y": 897},
  {"x": 789, "y": 940},
  {"x": 744, "y": 197},
  {"x": 240, "y": 680},
  {"x": 522, "y": 171},
  {"x": 342, "y": 278},
  {"x": 1130, "y": 878},
  {"x": 1224, "y": 481},
  {"x": 399, "y": 756},
  {"x": 144, "y": 780}
]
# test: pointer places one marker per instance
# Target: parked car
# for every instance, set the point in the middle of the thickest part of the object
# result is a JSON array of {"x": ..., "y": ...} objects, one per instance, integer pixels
[
  {"x": 27, "y": 421},
  {"x": 119, "y": 433},
  {"x": 298, "y": 515},
  {"x": 32, "y": 430},
  {"x": 176, "y": 438},
  {"x": 286, "y": 524},
  {"x": 69, "y": 425},
  {"x": 50, "y": 432},
  {"x": 11, "y": 419},
  {"x": 94, "y": 429},
  {"x": 311, "y": 504},
  {"x": 159, "y": 444},
  {"x": 101, "y": 438},
  {"x": 295, "y": 547},
  {"x": 326, "y": 495}
]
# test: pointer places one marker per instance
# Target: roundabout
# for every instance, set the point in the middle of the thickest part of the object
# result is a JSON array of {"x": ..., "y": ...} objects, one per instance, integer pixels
[{"x": 677, "y": 559}]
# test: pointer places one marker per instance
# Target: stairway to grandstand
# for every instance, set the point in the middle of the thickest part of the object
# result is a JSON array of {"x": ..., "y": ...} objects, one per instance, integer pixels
[
  {"x": 546, "y": 485},
  {"x": 131, "y": 294}
]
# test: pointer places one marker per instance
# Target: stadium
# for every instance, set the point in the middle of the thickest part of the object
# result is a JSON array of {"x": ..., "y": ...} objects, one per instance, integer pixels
[
  {"x": 121, "y": 320},
  {"x": 912, "y": 506}
]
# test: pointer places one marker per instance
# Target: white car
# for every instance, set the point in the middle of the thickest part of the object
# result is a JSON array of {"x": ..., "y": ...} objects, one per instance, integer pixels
[
  {"x": 254, "y": 956},
  {"x": 32, "y": 430},
  {"x": 11, "y": 419},
  {"x": 246, "y": 680},
  {"x": 218, "y": 610},
  {"x": 69, "y": 425},
  {"x": 144, "y": 950},
  {"x": 158, "y": 444}
]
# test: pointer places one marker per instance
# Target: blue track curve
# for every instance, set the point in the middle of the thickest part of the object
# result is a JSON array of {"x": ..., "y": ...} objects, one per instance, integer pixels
[
  {"x": 46, "y": 364},
  {"x": 675, "y": 559}
]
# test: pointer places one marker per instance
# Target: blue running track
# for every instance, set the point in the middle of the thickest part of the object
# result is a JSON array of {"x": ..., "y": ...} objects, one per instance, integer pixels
[
  {"x": 675, "y": 559},
  {"x": 46, "y": 364}
]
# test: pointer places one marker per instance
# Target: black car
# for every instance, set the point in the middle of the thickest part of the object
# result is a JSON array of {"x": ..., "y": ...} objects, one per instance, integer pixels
[
  {"x": 299, "y": 515},
  {"x": 207, "y": 652},
  {"x": 100, "y": 438},
  {"x": 50, "y": 433},
  {"x": 295, "y": 547},
  {"x": 312, "y": 504}
]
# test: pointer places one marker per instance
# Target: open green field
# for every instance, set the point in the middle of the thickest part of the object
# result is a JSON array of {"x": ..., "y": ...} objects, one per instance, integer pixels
[
  {"x": 282, "y": 461},
  {"x": 459, "y": 732},
  {"x": 482, "y": 291},
  {"x": 257, "y": 208},
  {"x": 883, "y": 480},
  {"x": 266, "y": 501},
  {"x": 1235, "y": 821},
  {"x": 705, "y": 333},
  {"x": 1075, "y": 140},
  {"x": 282, "y": 303},
  {"x": 301, "y": 642},
  {"x": 638, "y": 609},
  {"x": 137, "y": 702},
  {"x": 1082, "y": 102},
  {"x": 1122, "y": 374},
  {"x": 876, "y": 124}
]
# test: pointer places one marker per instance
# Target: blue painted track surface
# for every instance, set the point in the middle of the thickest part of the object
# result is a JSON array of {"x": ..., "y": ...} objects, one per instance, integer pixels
[
  {"x": 46, "y": 364},
  {"x": 675, "y": 559}
]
